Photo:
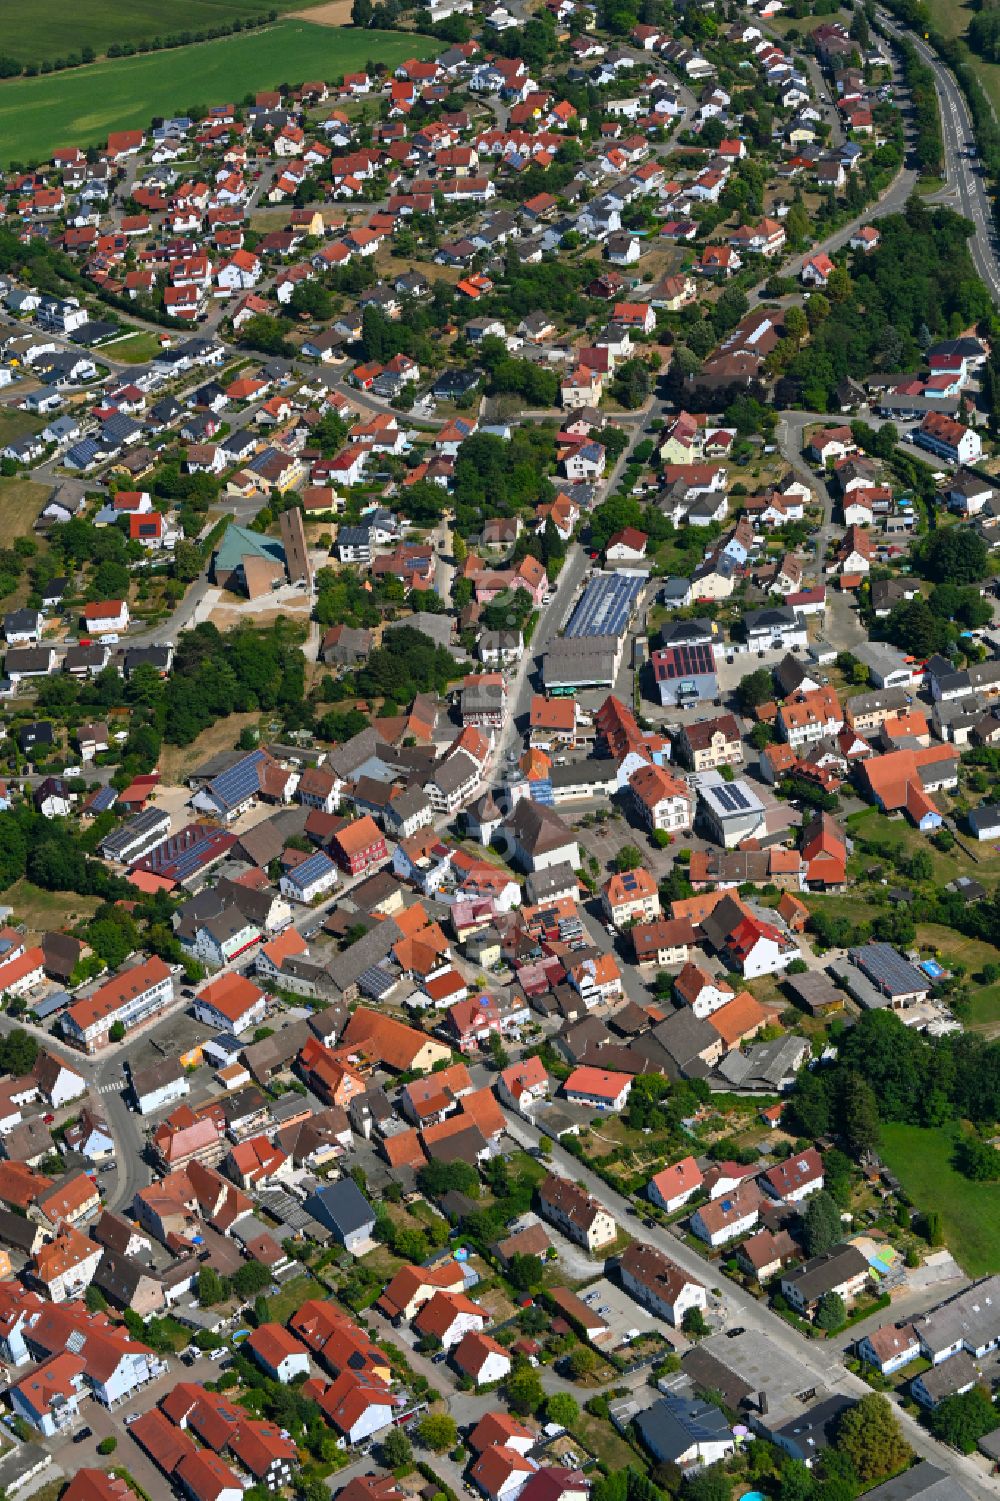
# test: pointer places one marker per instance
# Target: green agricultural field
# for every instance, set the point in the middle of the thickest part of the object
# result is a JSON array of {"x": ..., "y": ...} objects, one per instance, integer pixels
[
  {"x": 34, "y": 33},
  {"x": 970, "y": 1212},
  {"x": 80, "y": 108}
]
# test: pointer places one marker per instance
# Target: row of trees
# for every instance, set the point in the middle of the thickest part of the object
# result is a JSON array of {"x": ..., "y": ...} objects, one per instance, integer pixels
[{"x": 928, "y": 145}]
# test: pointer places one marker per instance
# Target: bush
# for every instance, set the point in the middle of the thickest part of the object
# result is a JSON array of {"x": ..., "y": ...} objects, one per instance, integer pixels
[{"x": 107, "y": 1445}]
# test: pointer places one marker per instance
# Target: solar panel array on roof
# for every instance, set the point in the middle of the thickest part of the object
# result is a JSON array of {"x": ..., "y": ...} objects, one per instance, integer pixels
[
  {"x": 628, "y": 881},
  {"x": 888, "y": 970},
  {"x": 732, "y": 798},
  {"x": 683, "y": 661},
  {"x": 375, "y": 982},
  {"x": 182, "y": 855},
  {"x": 235, "y": 785},
  {"x": 605, "y": 605},
  {"x": 103, "y": 799},
  {"x": 314, "y": 869},
  {"x": 140, "y": 832}
]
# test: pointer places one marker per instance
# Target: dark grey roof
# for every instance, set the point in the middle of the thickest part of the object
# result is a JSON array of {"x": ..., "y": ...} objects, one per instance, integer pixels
[
  {"x": 671, "y": 1426},
  {"x": 925, "y": 1482},
  {"x": 119, "y": 1277},
  {"x": 950, "y": 1377},
  {"x": 809, "y": 1433},
  {"x": 684, "y": 1037},
  {"x": 823, "y": 1273},
  {"x": 342, "y": 1206},
  {"x": 374, "y": 945},
  {"x": 888, "y": 970}
]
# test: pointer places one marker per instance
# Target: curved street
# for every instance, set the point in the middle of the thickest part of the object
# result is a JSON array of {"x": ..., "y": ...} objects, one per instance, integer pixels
[{"x": 966, "y": 189}]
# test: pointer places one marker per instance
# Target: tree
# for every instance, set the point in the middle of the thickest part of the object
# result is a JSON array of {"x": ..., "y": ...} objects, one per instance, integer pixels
[
  {"x": 265, "y": 333},
  {"x": 870, "y": 1436},
  {"x": 977, "y": 1159},
  {"x": 712, "y": 1484},
  {"x": 116, "y": 1031},
  {"x": 629, "y": 857},
  {"x": 95, "y": 1300},
  {"x": 361, "y": 13},
  {"x": 857, "y": 1115},
  {"x": 107, "y": 1445},
  {"x": 396, "y": 1449},
  {"x": 630, "y": 386},
  {"x": 581, "y": 1361},
  {"x": 916, "y": 629},
  {"x": 524, "y": 1390},
  {"x": 954, "y": 555},
  {"x": 311, "y": 297},
  {"x": 821, "y": 1224},
  {"x": 612, "y": 516},
  {"x": 438, "y": 1177},
  {"x": 437, "y": 1431},
  {"x": 250, "y": 1278},
  {"x": 562, "y": 1408},
  {"x": 961, "y": 1421},
  {"x": 797, "y": 1482},
  {"x": 754, "y": 689},
  {"x": 694, "y": 1323},
  {"x": 811, "y": 1103},
  {"x": 499, "y": 1056},
  {"x": 211, "y": 1288},
  {"x": 831, "y": 1313},
  {"x": 525, "y": 1272},
  {"x": 796, "y": 327},
  {"x": 18, "y": 1052}
]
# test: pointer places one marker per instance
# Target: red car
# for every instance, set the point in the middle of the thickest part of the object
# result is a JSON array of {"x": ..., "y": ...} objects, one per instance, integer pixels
[{"x": 48, "y": 1119}]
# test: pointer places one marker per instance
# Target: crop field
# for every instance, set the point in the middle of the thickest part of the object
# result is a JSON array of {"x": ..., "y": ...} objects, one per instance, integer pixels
[
  {"x": 81, "y": 107},
  {"x": 34, "y": 33}
]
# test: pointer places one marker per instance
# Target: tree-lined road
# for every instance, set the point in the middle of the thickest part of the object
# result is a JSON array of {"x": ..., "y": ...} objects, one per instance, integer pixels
[{"x": 966, "y": 185}]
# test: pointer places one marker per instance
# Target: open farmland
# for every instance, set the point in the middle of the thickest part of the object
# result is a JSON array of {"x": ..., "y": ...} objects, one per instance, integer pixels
[
  {"x": 40, "y": 33},
  {"x": 38, "y": 115}
]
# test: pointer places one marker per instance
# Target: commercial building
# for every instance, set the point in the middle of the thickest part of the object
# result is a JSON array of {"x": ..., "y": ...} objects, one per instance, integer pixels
[{"x": 129, "y": 1000}]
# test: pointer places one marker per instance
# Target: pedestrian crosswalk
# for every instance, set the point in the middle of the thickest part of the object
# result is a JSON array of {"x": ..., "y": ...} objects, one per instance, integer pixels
[{"x": 114, "y": 1088}]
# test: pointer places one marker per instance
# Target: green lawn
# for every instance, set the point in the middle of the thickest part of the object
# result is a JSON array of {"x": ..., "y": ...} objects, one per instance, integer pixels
[
  {"x": 970, "y": 1212},
  {"x": 34, "y": 33},
  {"x": 951, "y": 18},
  {"x": 21, "y": 499},
  {"x": 296, "y": 1291},
  {"x": 17, "y": 424},
  {"x": 80, "y": 108},
  {"x": 134, "y": 349},
  {"x": 898, "y": 833}
]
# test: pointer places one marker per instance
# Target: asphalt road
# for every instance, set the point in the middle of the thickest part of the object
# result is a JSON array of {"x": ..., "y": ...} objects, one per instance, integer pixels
[
  {"x": 967, "y": 191},
  {"x": 740, "y": 1308}
]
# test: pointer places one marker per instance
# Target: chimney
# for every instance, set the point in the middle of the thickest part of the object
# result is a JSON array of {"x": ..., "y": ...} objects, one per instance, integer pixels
[{"x": 762, "y": 1402}]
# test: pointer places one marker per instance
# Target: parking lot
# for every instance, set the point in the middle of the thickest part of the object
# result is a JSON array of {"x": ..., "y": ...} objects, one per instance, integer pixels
[{"x": 623, "y": 1315}]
